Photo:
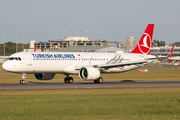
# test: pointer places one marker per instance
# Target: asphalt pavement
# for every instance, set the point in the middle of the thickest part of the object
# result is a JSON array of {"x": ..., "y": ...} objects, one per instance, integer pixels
[{"x": 89, "y": 85}]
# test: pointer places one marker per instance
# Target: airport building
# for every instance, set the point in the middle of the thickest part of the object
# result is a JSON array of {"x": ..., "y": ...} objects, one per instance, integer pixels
[
  {"x": 130, "y": 43},
  {"x": 85, "y": 44},
  {"x": 90, "y": 49},
  {"x": 164, "y": 51},
  {"x": 177, "y": 44},
  {"x": 71, "y": 42}
]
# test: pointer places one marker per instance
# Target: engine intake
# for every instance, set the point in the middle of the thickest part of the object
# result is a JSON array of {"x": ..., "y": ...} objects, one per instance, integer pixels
[
  {"x": 44, "y": 76},
  {"x": 89, "y": 73}
]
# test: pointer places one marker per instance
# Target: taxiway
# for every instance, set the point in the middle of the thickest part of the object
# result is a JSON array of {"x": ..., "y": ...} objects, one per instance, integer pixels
[{"x": 89, "y": 85}]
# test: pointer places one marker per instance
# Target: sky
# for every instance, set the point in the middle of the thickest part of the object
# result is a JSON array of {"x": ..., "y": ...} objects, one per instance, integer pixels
[{"x": 112, "y": 20}]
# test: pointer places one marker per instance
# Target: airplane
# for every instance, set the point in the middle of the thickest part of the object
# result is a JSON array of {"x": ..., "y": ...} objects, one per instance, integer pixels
[
  {"x": 166, "y": 57},
  {"x": 169, "y": 57},
  {"x": 176, "y": 58},
  {"x": 88, "y": 65}
]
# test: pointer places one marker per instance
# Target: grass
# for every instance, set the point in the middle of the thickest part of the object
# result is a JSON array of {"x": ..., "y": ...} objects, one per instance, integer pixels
[{"x": 124, "y": 104}]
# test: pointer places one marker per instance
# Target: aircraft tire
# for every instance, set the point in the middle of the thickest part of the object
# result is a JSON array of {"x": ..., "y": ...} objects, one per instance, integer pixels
[
  {"x": 95, "y": 81},
  {"x": 22, "y": 81},
  {"x": 70, "y": 80},
  {"x": 100, "y": 80},
  {"x": 66, "y": 80}
]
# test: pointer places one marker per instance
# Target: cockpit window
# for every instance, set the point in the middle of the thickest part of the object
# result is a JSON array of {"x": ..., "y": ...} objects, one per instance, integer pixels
[
  {"x": 11, "y": 58},
  {"x": 14, "y": 58},
  {"x": 7, "y": 58}
]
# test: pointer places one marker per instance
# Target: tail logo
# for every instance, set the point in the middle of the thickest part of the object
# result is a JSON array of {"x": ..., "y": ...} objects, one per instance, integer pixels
[{"x": 145, "y": 44}]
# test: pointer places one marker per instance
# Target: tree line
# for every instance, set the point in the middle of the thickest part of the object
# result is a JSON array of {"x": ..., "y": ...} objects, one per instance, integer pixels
[
  {"x": 158, "y": 43},
  {"x": 10, "y": 48}
]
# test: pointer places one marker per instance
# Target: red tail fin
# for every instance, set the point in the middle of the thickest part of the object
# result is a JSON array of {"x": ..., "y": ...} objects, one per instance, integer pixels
[
  {"x": 35, "y": 49},
  {"x": 144, "y": 45},
  {"x": 171, "y": 51}
]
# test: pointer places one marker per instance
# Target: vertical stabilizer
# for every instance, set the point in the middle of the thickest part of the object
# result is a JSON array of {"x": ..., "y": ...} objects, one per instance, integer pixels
[
  {"x": 144, "y": 44},
  {"x": 35, "y": 49},
  {"x": 171, "y": 51}
]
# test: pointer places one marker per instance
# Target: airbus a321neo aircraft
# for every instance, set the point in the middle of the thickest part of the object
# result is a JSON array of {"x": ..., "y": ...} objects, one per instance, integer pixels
[{"x": 89, "y": 66}]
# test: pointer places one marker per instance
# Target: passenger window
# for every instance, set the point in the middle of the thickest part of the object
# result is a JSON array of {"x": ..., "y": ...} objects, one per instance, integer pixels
[
  {"x": 19, "y": 58},
  {"x": 16, "y": 58}
]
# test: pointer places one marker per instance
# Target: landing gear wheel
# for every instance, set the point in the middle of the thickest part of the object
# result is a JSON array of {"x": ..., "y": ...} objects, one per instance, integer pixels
[
  {"x": 70, "y": 80},
  {"x": 66, "y": 79},
  {"x": 22, "y": 81},
  {"x": 95, "y": 81},
  {"x": 99, "y": 80}
]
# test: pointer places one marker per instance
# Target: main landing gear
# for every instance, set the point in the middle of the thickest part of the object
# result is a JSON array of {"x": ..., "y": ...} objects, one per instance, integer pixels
[
  {"x": 99, "y": 80},
  {"x": 68, "y": 79},
  {"x": 23, "y": 77}
]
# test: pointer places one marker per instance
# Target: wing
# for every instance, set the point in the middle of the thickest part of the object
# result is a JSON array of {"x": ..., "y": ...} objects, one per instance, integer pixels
[
  {"x": 140, "y": 63},
  {"x": 121, "y": 64}
]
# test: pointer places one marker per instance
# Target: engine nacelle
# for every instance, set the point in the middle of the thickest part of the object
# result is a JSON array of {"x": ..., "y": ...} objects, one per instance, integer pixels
[
  {"x": 89, "y": 73},
  {"x": 44, "y": 76}
]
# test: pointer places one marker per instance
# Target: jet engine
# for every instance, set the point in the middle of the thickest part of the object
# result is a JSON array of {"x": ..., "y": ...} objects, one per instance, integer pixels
[
  {"x": 44, "y": 76},
  {"x": 89, "y": 73}
]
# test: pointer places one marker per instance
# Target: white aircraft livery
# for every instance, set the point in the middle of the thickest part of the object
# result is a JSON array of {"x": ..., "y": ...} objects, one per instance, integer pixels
[{"x": 88, "y": 65}]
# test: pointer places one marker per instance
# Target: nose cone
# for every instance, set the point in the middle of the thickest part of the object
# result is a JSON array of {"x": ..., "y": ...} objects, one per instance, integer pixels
[{"x": 5, "y": 66}]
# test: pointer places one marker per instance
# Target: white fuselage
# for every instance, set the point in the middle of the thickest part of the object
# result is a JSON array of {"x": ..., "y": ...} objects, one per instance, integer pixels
[
  {"x": 174, "y": 58},
  {"x": 68, "y": 62}
]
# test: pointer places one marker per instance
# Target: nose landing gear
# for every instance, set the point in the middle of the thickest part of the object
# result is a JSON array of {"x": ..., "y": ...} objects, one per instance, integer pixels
[{"x": 22, "y": 81}]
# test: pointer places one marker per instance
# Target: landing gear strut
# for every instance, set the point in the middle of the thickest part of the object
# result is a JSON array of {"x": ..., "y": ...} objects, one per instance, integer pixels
[
  {"x": 99, "y": 80},
  {"x": 22, "y": 81},
  {"x": 68, "y": 79}
]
